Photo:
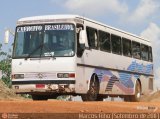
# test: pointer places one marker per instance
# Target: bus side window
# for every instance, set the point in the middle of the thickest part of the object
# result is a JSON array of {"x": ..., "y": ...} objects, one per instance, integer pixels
[
  {"x": 136, "y": 50},
  {"x": 145, "y": 52},
  {"x": 127, "y": 48},
  {"x": 150, "y": 54},
  {"x": 116, "y": 44},
  {"x": 104, "y": 41},
  {"x": 92, "y": 37}
]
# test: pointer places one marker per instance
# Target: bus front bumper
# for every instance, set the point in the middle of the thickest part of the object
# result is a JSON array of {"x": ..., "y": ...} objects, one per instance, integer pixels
[{"x": 43, "y": 88}]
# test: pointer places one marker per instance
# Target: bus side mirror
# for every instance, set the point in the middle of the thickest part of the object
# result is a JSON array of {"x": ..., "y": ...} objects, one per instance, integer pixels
[
  {"x": 82, "y": 38},
  {"x": 6, "y": 36}
]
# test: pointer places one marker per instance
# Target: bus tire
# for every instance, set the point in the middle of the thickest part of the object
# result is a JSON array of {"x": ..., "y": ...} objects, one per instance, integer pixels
[
  {"x": 92, "y": 94},
  {"x": 136, "y": 97},
  {"x": 39, "y": 97}
]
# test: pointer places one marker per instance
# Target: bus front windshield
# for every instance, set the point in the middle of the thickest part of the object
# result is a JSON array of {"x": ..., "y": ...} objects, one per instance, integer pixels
[{"x": 56, "y": 40}]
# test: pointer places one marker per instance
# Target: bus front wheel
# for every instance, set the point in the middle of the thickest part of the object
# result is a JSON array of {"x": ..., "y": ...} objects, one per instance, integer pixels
[
  {"x": 92, "y": 94},
  {"x": 39, "y": 97}
]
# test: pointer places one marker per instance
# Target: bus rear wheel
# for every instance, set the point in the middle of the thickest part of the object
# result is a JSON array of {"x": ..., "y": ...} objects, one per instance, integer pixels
[
  {"x": 92, "y": 94},
  {"x": 136, "y": 97}
]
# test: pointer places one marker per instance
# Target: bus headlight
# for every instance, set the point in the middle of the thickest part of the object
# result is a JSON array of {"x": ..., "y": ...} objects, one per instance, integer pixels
[
  {"x": 18, "y": 76},
  {"x": 66, "y": 75}
]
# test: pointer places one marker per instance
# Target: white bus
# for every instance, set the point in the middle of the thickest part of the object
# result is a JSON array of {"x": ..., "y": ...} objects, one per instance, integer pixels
[{"x": 72, "y": 55}]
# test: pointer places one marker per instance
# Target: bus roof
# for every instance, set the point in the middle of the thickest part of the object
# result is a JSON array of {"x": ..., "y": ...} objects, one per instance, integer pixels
[{"x": 49, "y": 18}]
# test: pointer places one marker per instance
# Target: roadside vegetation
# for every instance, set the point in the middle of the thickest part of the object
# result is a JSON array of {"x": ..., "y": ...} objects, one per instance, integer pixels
[{"x": 5, "y": 66}]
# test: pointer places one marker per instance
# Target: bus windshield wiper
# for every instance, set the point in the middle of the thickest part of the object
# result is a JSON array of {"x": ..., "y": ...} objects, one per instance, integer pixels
[
  {"x": 40, "y": 46},
  {"x": 50, "y": 52},
  {"x": 33, "y": 51}
]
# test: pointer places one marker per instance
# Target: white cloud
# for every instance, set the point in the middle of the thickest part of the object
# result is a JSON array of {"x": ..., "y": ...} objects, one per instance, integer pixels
[
  {"x": 96, "y": 7},
  {"x": 119, "y": 8},
  {"x": 144, "y": 11},
  {"x": 153, "y": 34}
]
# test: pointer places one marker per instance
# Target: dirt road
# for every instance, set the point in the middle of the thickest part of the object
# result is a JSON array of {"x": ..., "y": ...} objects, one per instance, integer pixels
[
  {"x": 55, "y": 106},
  {"x": 16, "y": 107}
]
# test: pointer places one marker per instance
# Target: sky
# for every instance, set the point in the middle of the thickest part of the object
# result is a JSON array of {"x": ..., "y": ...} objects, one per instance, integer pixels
[{"x": 140, "y": 17}]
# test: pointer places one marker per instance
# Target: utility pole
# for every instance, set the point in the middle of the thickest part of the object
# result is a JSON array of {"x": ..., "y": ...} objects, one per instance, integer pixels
[{"x": 7, "y": 33}]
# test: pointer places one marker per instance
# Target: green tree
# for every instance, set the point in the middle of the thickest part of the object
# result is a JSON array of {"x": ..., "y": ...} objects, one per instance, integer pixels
[{"x": 5, "y": 66}]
